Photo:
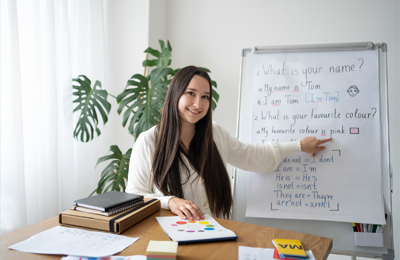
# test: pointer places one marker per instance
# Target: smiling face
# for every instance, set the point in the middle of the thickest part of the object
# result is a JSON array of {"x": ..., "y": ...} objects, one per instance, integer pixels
[
  {"x": 353, "y": 91},
  {"x": 194, "y": 103}
]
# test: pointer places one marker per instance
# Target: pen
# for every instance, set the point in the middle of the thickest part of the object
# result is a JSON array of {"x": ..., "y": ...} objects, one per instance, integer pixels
[
  {"x": 358, "y": 227},
  {"x": 378, "y": 228},
  {"x": 354, "y": 227},
  {"x": 374, "y": 228},
  {"x": 365, "y": 227},
  {"x": 370, "y": 226}
]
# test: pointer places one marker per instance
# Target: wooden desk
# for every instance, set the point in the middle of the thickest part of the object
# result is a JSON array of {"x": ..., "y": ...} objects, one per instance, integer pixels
[{"x": 149, "y": 229}]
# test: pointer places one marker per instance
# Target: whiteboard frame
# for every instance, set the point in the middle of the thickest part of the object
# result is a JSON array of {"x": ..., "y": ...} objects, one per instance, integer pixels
[{"x": 341, "y": 232}]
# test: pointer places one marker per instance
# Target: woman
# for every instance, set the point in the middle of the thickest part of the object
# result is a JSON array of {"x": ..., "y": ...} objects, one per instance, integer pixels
[{"x": 182, "y": 161}]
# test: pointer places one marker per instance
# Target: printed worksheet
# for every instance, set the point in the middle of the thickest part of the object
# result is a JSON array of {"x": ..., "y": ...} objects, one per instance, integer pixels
[
  {"x": 132, "y": 257},
  {"x": 73, "y": 241}
]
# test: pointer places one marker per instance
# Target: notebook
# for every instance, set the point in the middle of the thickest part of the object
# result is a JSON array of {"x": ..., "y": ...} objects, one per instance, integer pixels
[
  {"x": 114, "y": 211},
  {"x": 109, "y": 201}
]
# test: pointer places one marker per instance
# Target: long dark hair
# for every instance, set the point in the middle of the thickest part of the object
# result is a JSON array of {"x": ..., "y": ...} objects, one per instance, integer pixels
[{"x": 202, "y": 154}]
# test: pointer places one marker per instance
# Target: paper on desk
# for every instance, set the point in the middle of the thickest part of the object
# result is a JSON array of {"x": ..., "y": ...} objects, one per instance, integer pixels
[
  {"x": 257, "y": 253},
  {"x": 182, "y": 231},
  {"x": 73, "y": 241},
  {"x": 132, "y": 257}
]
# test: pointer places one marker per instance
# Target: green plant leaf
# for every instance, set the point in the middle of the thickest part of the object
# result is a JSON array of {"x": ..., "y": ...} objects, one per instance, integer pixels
[
  {"x": 215, "y": 95},
  {"x": 150, "y": 63},
  {"x": 115, "y": 175},
  {"x": 163, "y": 58},
  {"x": 89, "y": 101},
  {"x": 143, "y": 100},
  {"x": 215, "y": 99},
  {"x": 153, "y": 52},
  {"x": 214, "y": 91}
]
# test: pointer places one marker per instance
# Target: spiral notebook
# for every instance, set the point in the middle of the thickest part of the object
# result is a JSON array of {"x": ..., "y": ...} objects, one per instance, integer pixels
[{"x": 109, "y": 201}]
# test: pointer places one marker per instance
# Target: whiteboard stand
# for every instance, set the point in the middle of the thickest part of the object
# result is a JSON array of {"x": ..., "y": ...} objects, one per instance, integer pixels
[{"x": 340, "y": 232}]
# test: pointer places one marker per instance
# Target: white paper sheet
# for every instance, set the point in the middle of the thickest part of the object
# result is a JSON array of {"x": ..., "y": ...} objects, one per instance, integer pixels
[
  {"x": 73, "y": 241},
  {"x": 132, "y": 257},
  {"x": 327, "y": 94},
  {"x": 191, "y": 231},
  {"x": 257, "y": 253}
]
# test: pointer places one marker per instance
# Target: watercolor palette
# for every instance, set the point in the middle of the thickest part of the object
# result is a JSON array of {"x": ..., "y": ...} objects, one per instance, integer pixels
[{"x": 190, "y": 231}]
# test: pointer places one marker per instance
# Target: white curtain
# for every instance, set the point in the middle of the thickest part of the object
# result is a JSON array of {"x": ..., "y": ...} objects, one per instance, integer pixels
[{"x": 44, "y": 44}]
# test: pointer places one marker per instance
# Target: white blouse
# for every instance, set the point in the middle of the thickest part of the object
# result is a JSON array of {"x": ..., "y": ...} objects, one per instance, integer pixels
[{"x": 261, "y": 158}]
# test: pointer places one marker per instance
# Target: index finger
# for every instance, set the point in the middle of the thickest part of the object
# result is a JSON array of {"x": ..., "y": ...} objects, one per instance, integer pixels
[{"x": 322, "y": 141}]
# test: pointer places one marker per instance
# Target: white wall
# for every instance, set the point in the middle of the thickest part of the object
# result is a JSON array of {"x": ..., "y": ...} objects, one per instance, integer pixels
[
  {"x": 127, "y": 33},
  {"x": 212, "y": 34},
  {"x": 158, "y": 23},
  {"x": 130, "y": 28}
]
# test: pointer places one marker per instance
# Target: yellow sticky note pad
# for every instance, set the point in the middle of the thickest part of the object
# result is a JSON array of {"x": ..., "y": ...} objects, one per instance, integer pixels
[{"x": 162, "y": 248}]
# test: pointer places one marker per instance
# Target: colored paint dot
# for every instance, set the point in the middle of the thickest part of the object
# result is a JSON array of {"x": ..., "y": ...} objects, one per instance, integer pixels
[
  {"x": 203, "y": 222},
  {"x": 192, "y": 221},
  {"x": 209, "y": 228},
  {"x": 174, "y": 225},
  {"x": 181, "y": 230},
  {"x": 181, "y": 222},
  {"x": 190, "y": 231},
  {"x": 200, "y": 230}
]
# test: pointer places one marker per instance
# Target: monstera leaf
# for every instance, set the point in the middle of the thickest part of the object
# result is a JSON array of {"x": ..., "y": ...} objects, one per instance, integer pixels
[
  {"x": 214, "y": 92},
  {"x": 144, "y": 101},
  {"x": 88, "y": 101},
  {"x": 215, "y": 96},
  {"x": 163, "y": 58},
  {"x": 115, "y": 174}
]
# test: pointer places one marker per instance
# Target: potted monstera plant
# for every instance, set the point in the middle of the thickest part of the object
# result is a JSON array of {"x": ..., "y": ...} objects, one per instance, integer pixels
[{"x": 140, "y": 104}]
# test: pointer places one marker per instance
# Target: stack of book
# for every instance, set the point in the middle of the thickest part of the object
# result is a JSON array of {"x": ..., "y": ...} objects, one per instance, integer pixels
[
  {"x": 289, "y": 249},
  {"x": 109, "y": 203},
  {"x": 161, "y": 250}
]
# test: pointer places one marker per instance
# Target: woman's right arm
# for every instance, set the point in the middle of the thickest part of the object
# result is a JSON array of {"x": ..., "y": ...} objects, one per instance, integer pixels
[
  {"x": 140, "y": 180},
  {"x": 140, "y": 174}
]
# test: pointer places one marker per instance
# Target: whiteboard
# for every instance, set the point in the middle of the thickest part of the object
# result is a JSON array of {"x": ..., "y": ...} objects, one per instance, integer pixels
[{"x": 302, "y": 94}]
